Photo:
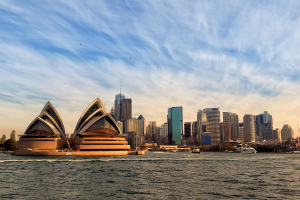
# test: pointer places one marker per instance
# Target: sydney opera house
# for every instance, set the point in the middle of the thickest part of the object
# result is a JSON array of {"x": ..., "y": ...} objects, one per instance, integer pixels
[{"x": 96, "y": 134}]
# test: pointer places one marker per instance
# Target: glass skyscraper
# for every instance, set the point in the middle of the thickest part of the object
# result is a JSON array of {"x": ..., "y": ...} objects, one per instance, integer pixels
[{"x": 175, "y": 126}]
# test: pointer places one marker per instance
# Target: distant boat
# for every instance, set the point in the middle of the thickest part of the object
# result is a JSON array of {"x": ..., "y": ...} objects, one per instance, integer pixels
[
  {"x": 196, "y": 150},
  {"x": 248, "y": 150}
]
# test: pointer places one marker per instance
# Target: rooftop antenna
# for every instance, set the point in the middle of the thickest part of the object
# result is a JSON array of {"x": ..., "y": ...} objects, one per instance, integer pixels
[{"x": 120, "y": 89}]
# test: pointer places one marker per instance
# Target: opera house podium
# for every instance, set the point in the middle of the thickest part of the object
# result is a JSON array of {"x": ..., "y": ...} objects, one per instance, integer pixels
[{"x": 96, "y": 134}]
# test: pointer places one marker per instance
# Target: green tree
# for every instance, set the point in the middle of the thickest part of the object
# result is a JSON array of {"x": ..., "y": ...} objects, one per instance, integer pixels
[
  {"x": 3, "y": 140},
  {"x": 13, "y": 135},
  {"x": 10, "y": 144}
]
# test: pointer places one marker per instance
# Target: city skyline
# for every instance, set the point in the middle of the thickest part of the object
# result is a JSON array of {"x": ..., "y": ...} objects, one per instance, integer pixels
[{"x": 238, "y": 56}]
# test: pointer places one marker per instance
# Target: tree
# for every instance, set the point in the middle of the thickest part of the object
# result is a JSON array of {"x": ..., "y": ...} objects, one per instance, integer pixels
[
  {"x": 10, "y": 144},
  {"x": 3, "y": 140},
  {"x": 13, "y": 135}
]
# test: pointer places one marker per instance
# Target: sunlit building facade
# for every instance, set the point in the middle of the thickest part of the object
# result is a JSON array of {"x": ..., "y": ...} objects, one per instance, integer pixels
[
  {"x": 213, "y": 124},
  {"x": 201, "y": 125},
  {"x": 249, "y": 128},
  {"x": 287, "y": 132},
  {"x": 175, "y": 125}
]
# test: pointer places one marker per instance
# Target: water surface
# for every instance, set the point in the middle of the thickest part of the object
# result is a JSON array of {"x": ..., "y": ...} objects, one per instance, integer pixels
[{"x": 152, "y": 176}]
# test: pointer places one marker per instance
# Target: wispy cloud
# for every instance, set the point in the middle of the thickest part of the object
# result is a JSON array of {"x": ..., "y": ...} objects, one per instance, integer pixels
[{"x": 240, "y": 56}]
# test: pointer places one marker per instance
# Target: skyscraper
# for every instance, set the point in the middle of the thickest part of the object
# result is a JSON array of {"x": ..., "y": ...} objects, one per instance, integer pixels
[
  {"x": 262, "y": 126},
  {"x": 249, "y": 128},
  {"x": 188, "y": 130},
  {"x": 137, "y": 126},
  {"x": 227, "y": 117},
  {"x": 225, "y": 132},
  {"x": 277, "y": 134},
  {"x": 201, "y": 125},
  {"x": 151, "y": 131},
  {"x": 234, "y": 123},
  {"x": 175, "y": 126},
  {"x": 213, "y": 124},
  {"x": 123, "y": 108},
  {"x": 287, "y": 132}
]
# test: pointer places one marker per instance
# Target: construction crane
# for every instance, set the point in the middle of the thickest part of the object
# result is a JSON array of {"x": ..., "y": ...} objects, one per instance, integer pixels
[
  {"x": 298, "y": 130},
  {"x": 68, "y": 145}
]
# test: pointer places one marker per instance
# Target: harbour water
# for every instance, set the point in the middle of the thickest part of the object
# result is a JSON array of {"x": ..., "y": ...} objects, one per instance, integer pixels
[{"x": 152, "y": 176}]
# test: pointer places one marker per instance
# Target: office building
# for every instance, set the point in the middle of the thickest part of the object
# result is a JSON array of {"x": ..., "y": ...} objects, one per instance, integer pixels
[
  {"x": 262, "y": 126},
  {"x": 249, "y": 128},
  {"x": 188, "y": 130},
  {"x": 277, "y": 134},
  {"x": 287, "y": 132},
  {"x": 123, "y": 108},
  {"x": 234, "y": 123},
  {"x": 201, "y": 125},
  {"x": 213, "y": 124},
  {"x": 151, "y": 131},
  {"x": 225, "y": 132},
  {"x": 227, "y": 117},
  {"x": 136, "y": 126},
  {"x": 175, "y": 126}
]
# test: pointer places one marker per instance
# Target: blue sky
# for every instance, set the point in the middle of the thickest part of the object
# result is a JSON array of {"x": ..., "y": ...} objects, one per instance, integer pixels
[{"x": 241, "y": 56}]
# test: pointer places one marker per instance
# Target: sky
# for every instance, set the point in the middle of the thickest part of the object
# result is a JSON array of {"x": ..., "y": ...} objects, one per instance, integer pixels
[{"x": 240, "y": 56}]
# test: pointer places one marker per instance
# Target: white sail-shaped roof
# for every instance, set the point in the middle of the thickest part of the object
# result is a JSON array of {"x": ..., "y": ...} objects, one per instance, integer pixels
[
  {"x": 93, "y": 113},
  {"x": 50, "y": 118}
]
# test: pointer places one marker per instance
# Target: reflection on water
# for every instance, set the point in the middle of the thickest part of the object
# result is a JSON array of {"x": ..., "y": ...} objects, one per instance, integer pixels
[{"x": 154, "y": 176}]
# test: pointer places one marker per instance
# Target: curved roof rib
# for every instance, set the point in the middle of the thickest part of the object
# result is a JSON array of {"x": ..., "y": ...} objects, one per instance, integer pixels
[
  {"x": 50, "y": 109},
  {"x": 46, "y": 122},
  {"x": 44, "y": 115},
  {"x": 97, "y": 113},
  {"x": 94, "y": 120},
  {"x": 93, "y": 107}
]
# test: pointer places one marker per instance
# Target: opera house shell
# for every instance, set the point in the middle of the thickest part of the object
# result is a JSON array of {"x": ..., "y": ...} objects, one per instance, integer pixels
[{"x": 96, "y": 134}]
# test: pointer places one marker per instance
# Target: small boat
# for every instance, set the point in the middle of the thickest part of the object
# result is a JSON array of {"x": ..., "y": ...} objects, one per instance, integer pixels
[
  {"x": 196, "y": 150},
  {"x": 248, "y": 150}
]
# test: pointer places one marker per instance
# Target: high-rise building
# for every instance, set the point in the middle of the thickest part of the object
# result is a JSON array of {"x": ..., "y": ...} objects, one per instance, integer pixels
[
  {"x": 137, "y": 126},
  {"x": 213, "y": 124},
  {"x": 165, "y": 133},
  {"x": 249, "y": 128},
  {"x": 159, "y": 135},
  {"x": 188, "y": 130},
  {"x": 175, "y": 126},
  {"x": 151, "y": 131},
  {"x": 287, "y": 132},
  {"x": 227, "y": 117},
  {"x": 225, "y": 132},
  {"x": 123, "y": 108},
  {"x": 267, "y": 130},
  {"x": 234, "y": 123},
  {"x": 201, "y": 125},
  {"x": 262, "y": 120},
  {"x": 277, "y": 134},
  {"x": 241, "y": 134},
  {"x": 144, "y": 124}
]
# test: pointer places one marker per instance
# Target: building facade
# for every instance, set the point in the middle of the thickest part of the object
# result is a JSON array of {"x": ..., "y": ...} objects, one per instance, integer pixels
[
  {"x": 201, "y": 125},
  {"x": 225, "y": 132},
  {"x": 249, "y": 128},
  {"x": 175, "y": 125},
  {"x": 262, "y": 126},
  {"x": 287, "y": 132},
  {"x": 234, "y": 123},
  {"x": 213, "y": 124},
  {"x": 123, "y": 108}
]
